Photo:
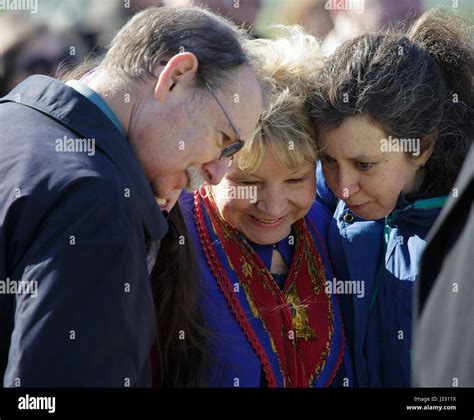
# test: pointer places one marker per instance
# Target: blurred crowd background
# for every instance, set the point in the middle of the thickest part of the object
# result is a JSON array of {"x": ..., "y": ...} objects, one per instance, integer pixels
[{"x": 51, "y": 36}]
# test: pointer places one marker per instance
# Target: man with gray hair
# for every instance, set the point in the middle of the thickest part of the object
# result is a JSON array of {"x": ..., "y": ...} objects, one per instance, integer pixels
[{"x": 174, "y": 98}]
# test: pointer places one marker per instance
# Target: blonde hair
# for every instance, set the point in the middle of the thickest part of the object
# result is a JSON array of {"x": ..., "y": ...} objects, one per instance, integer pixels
[{"x": 288, "y": 67}]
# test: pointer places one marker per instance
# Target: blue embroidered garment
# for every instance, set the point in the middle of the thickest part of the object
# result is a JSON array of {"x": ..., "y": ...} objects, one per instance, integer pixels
[{"x": 241, "y": 349}]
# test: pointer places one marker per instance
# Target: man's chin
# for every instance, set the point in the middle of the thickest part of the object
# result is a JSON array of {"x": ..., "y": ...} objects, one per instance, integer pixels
[
  {"x": 191, "y": 189},
  {"x": 195, "y": 179}
]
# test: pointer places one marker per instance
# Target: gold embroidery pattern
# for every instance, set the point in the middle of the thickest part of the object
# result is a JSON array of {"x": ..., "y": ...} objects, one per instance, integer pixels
[{"x": 299, "y": 313}]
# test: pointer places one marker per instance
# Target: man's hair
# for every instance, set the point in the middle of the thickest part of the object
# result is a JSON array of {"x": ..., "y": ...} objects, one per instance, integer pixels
[
  {"x": 287, "y": 68},
  {"x": 158, "y": 33}
]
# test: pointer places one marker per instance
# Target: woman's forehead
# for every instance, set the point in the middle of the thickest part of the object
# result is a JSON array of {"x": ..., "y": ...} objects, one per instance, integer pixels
[
  {"x": 270, "y": 167},
  {"x": 356, "y": 137}
]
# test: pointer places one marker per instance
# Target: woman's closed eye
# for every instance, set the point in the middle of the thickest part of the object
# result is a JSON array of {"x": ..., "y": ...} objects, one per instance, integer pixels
[
  {"x": 248, "y": 182},
  {"x": 295, "y": 180},
  {"x": 364, "y": 166}
]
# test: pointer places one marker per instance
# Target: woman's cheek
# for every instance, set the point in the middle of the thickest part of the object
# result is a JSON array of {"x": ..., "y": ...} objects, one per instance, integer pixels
[
  {"x": 329, "y": 176},
  {"x": 303, "y": 201},
  {"x": 310, "y": 195},
  {"x": 234, "y": 209}
]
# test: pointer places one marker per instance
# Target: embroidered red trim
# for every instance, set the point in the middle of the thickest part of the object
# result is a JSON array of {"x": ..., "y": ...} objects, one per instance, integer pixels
[
  {"x": 232, "y": 299},
  {"x": 343, "y": 338},
  {"x": 297, "y": 376}
]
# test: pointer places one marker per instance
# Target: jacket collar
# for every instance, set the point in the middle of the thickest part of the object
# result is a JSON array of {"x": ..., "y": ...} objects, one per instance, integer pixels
[
  {"x": 79, "y": 114},
  {"x": 420, "y": 212}
]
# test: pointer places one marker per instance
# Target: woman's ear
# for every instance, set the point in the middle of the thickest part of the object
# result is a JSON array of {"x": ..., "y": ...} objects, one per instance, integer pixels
[
  {"x": 179, "y": 69},
  {"x": 429, "y": 139}
]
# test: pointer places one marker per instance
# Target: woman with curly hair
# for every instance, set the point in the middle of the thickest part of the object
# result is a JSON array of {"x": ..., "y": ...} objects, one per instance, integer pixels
[{"x": 393, "y": 114}]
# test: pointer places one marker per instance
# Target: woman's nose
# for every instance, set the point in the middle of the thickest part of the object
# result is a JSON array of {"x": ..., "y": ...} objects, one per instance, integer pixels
[
  {"x": 347, "y": 184},
  {"x": 272, "y": 203}
]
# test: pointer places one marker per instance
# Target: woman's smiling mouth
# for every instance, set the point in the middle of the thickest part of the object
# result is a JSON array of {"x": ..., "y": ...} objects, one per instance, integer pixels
[{"x": 266, "y": 223}]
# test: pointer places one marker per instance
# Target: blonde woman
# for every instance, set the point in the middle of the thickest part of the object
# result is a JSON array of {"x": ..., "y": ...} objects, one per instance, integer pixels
[{"x": 260, "y": 239}]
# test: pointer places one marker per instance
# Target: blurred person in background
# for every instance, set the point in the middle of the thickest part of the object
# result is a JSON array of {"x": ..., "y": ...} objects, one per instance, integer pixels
[
  {"x": 29, "y": 47},
  {"x": 367, "y": 16},
  {"x": 243, "y": 12},
  {"x": 310, "y": 14}
]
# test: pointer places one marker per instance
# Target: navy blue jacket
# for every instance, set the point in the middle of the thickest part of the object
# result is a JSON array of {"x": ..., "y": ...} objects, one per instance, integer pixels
[{"x": 74, "y": 223}]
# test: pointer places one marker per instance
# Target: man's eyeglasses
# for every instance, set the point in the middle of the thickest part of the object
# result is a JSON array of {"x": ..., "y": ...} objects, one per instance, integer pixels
[{"x": 236, "y": 146}]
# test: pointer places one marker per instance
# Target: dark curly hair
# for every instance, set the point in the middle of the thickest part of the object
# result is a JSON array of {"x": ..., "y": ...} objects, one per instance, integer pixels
[{"x": 414, "y": 85}]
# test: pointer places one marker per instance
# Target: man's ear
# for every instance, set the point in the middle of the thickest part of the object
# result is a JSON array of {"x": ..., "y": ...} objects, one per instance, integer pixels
[{"x": 180, "y": 69}]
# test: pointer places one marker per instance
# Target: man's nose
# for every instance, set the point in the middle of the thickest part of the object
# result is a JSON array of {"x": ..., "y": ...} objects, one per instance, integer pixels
[{"x": 214, "y": 171}]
